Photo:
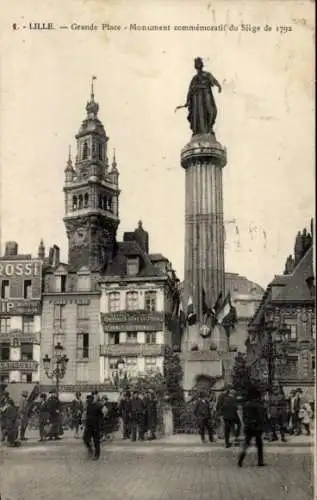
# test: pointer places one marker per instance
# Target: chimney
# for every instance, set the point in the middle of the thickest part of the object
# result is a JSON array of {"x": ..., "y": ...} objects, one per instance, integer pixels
[
  {"x": 298, "y": 248},
  {"x": 142, "y": 237},
  {"x": 56, "y": 256},
  {"x": 11, "y": 249}
]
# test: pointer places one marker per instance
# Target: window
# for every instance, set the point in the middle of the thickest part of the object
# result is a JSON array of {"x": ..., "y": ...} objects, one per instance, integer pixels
[
  {"x": 58, "y": 338},
  {"x": 26, "y": 378},
  {"x": 27, "y": 324},
  {"x": 82, "y": 346},
  {"x": 150, "y": 363},
  {"x": 113, "y": 363},
  {"x": 150, "y": 337},
  {"x": 132, "y": 337},
  {"x": 313, "y": 330},
  {"x": 150, "y": 301},
  {"x": 114, "y": 338},
  {"x": 114, "y": 301},
  {"x": 85, "y": 151},
  {"x": 292, "y": 366},
  {"x": 132, "y": 301},
  {"x": 100, "y": 201},
  {"x": 74, "y": 202},
  {"x": 109, "y": 204},
  {"x": 131, "y": 365},
  {"x": 100, "y": 151},
  {"x": 27, "y": 289},
  {"x": 132, "y": 267},
  {"x": 82, "y": 311},
  {"x": 5, "y": 289},
  {"x": 80, "y": 201},
  {"x": 293, "y": 332},
  {"x": 26, "y": 352},
  {"x": 5, "y": 325},
  {"x": 313, "y": 365},
  {"x": 86, "y": 200},
  {"x": 63, "y": 283},
  {"x": 5, "y": 351},
  {"x": 59, "y": 316}
]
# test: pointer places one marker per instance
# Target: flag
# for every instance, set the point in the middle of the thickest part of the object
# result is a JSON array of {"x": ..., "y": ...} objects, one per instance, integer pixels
[
  {"x": 215, "y": 310},
  {"x": 224, "y": 310},
  {"x": 227, "y": 316},
  {"x": 190, "y": 313},
  {"x": 205, "y": 308},
  {"x": 181, "y": 316}
]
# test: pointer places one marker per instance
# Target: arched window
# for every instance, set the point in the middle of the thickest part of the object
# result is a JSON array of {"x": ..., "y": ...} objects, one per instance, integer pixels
[
  {"x": 105, "y": 203},
  {"x": 86, "y": 199},
  {"x": 85, "y": 151},
  {"x": 74, "y": 202},
  {"x": 80, "y": 201},
  {"x": 100, "y": 151},
  {"x": 100, "y": 201},
  {"x": 109, "y": 204},
  {"x": 93, "y": 150}
]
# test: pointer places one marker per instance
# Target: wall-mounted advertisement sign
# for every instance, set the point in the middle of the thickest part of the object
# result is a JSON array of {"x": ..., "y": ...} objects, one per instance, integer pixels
[{"x": 20, "y": 307}]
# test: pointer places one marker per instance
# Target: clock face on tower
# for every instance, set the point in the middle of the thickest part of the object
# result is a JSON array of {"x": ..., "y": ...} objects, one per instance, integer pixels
[{"x": 79, "y": 237}]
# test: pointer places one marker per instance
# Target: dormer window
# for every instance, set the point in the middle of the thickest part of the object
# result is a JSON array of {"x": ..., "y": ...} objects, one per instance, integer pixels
[{"x": 133, "y": 266}]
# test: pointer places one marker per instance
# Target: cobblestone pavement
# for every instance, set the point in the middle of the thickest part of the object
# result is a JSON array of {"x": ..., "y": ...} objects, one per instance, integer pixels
[{"x": 147, "y": 472}]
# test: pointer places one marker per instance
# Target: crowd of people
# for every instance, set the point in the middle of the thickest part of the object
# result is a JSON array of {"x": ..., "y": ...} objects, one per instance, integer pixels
[{"x": 271, "y": 416}]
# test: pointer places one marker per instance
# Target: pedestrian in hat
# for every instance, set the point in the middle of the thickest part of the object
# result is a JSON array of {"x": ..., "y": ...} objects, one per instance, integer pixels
[
  {"x": 93, "y": 425},
  {"x": 253, "y": 416},
  {"x": 24, "y": 414},
  {"x": 77, "y": 409}
]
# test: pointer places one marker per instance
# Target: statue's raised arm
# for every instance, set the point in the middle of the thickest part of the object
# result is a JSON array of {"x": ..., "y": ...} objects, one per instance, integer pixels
[{"x": 202, "y": 109}]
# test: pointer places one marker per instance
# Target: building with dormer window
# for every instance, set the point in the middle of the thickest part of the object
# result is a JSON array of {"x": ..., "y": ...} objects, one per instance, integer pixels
[
  {"x": 282, "y": 333},
  {"x": 137, "y": 306},
  {"x": 105, "y": 283}
]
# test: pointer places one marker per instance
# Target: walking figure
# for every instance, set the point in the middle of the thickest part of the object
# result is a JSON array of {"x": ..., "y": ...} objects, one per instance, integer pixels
[{"x": 253, "y": 416}]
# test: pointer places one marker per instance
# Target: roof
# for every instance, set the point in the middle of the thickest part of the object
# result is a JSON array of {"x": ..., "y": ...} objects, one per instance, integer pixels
[
  {"x": 296, "y": 288},
  {"x": 157, "y": 257},
  {"x": 126, "y": 249}
]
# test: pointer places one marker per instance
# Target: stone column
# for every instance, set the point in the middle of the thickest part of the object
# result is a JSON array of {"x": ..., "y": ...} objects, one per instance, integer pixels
[{"x": 203, "y": 159}]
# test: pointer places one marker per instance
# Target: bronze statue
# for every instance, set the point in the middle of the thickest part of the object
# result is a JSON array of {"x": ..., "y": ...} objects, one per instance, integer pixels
[{"x": 202, "y": 109}]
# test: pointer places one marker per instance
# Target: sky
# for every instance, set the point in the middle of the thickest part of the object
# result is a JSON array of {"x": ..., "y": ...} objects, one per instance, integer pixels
[{"x": 265, "y": 119}]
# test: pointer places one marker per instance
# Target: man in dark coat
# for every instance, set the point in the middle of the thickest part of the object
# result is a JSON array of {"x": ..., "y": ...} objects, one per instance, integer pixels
[
  {"x": 93, "y": 425},
  {"x": 77, "y": 409},
  {"x": 54, "y": 410},
  {"x": 125, "y": 413},
  {"x": 24, "y": 414},
  {"x": 253, "y": 416},
  {"x": 137, "y": 417},
  {"x": 12, "y": 423},
  {"x": 44, "y": 416},
  {"x": 228, "y": 409},
  {"x": 151, "y": 414},
  {"x": 203, "y": 415}
]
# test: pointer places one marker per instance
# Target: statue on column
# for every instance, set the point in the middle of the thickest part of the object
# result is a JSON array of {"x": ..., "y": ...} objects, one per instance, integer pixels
[{"x": 200, "y": 102}]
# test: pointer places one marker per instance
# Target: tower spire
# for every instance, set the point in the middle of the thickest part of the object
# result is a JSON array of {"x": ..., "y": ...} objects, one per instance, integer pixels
[
  {"x": 69, "y": 161},
  {"x": 114, "y": 160},
  {"x": 92, "y": 95}
]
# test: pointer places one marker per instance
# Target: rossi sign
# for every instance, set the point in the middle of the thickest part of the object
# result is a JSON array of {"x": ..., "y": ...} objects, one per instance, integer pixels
[{"x": 20, "y": 268}]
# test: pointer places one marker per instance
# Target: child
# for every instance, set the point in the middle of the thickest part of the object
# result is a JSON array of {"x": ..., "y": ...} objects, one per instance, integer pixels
[{"x": 305, "y": 414}]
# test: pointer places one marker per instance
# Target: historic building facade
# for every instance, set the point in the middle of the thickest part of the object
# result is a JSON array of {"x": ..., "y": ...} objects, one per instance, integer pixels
[
  {"x": 71, "y": 298},
  {"x": 282, "y": 333},
  {"x": 20, "y": 315},
  {"x": 92, "y": 305},
  {"x": 137, "y": 305}
]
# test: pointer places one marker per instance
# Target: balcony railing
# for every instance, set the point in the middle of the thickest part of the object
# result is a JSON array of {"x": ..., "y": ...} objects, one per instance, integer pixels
[
  {"x": 133, "y": 321},
  {"x": 19, "y": 365},
  {"x": 132, "y": 350},
  {"x": 18, "y": 336}
]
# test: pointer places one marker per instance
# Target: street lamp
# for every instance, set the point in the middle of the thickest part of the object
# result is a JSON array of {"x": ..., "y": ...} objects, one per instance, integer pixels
[{"x": 56, "y": 367}]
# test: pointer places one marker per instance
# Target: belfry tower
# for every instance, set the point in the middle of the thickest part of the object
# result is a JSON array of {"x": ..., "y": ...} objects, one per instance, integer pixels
[{"x": 91, "y": 196}]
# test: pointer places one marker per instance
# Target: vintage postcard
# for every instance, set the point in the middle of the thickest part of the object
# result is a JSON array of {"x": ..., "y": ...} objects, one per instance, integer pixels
[{"x": 157, "y": 235}]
